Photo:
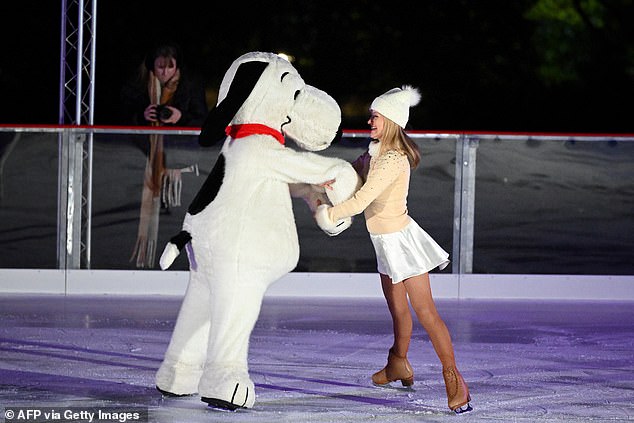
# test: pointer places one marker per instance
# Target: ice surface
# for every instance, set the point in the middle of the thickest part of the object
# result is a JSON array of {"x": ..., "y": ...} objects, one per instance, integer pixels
[{"x": 311, "y": 360}]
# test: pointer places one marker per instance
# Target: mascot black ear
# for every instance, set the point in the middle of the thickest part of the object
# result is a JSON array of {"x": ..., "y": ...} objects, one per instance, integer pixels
[{"x": 247, "y": 75}]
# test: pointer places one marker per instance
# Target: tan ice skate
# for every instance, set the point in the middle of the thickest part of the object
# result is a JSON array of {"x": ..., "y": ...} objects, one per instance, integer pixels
[
  {"x": 457, "y": 391},
  {"x": 397, "y": 368}
]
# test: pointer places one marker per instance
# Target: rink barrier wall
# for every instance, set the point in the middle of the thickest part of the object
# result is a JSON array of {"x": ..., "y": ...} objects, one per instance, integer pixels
[{"x": 341, "y": 285}]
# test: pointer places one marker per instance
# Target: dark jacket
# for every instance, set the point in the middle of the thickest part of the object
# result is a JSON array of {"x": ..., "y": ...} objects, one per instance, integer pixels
[{"x": 189, "y": 98}]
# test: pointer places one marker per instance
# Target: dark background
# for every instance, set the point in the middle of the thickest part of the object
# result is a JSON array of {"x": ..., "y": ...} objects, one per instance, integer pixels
[{"x": 522, "y": 65}]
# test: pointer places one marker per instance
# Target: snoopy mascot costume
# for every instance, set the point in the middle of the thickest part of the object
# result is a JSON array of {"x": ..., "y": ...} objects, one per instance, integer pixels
[{"x": 239, "y": 232}]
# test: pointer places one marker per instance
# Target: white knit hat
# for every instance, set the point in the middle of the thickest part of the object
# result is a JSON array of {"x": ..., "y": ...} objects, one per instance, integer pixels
[{"x": 395, "y": 104}]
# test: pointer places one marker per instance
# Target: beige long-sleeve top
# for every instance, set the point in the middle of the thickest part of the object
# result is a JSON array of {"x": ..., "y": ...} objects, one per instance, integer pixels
[{"x": 383, "y": 196}]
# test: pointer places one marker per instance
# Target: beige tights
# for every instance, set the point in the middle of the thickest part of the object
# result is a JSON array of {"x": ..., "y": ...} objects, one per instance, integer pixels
[{"x": 418, "y": 289}]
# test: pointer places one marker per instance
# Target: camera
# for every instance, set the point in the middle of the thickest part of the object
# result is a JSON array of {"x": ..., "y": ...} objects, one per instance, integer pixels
[{"x": 162, "y": 112}]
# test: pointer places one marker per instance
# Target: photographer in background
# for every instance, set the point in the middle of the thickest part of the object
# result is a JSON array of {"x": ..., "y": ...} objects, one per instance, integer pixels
[{"x": 162, "y": 94}]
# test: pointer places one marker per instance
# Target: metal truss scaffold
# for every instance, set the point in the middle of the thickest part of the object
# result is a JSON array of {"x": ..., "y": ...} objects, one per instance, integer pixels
[{"x": 76, "y": 107}]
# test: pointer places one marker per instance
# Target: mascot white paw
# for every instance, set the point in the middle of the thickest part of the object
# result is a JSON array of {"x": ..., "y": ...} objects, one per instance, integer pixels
[{"x": 328, "y": 226}]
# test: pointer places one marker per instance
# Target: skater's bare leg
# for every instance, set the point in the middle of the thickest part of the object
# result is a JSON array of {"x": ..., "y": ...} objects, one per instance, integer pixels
[
  {"x": 397, "y": 367},
  {"x": 419, "y": 291},
  {"x": 420, "y": 295},
  {"x": 396, "y": 297}
]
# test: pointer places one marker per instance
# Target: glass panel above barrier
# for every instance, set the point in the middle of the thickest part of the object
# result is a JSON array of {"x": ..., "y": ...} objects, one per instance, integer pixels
[
  {"x": 28, "y": 200},
  {"x": 554, "y": 206},
  {"x": 131, "y": 222},
  {"x": 544, "y": 204}
]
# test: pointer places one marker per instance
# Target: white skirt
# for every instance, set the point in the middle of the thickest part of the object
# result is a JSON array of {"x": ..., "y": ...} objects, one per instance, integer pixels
[{"x": 409, "y": 252}]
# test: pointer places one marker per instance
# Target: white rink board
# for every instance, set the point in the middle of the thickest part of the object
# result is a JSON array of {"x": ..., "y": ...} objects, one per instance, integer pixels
[{"x": 470, "y": 286}]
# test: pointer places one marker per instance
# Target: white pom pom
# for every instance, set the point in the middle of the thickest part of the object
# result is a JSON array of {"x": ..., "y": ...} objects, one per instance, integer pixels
[{"x": 414, "y": 95}]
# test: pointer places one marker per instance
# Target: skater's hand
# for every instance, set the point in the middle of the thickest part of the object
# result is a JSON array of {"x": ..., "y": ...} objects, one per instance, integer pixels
[{"x": 328, "y": 184}]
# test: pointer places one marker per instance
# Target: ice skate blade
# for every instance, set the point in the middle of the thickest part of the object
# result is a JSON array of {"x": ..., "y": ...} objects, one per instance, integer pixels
[
  {"x": 464, "y": 409},
  {"x": 221, "y": 404},
  {"x": 384, "y": 385},
  {"x": 398, "y": 388}
]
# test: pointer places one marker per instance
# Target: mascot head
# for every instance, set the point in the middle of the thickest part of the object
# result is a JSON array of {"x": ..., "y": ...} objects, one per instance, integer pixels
[{"x": 263, "y": 88}]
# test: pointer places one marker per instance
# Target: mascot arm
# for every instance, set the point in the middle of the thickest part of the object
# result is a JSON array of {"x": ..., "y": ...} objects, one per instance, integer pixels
[
  {"x": 295, "y": 167},
  {"x": 305, "y": 168}
]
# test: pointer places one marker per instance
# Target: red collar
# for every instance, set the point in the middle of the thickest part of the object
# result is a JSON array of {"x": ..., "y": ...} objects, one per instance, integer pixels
[{"x": 246, "y": 129}]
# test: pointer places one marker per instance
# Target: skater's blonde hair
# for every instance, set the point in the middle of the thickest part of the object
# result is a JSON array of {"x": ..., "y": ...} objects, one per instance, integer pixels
[{"x": 395, "y": 138}]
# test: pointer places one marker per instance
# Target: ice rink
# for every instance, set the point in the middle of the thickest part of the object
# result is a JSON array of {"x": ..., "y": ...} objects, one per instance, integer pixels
[{"x": 311, "y": 359}]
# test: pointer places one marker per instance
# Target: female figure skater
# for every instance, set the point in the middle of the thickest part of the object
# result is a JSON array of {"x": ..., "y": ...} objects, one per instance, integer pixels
[{"x": 405, "y": 252}]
